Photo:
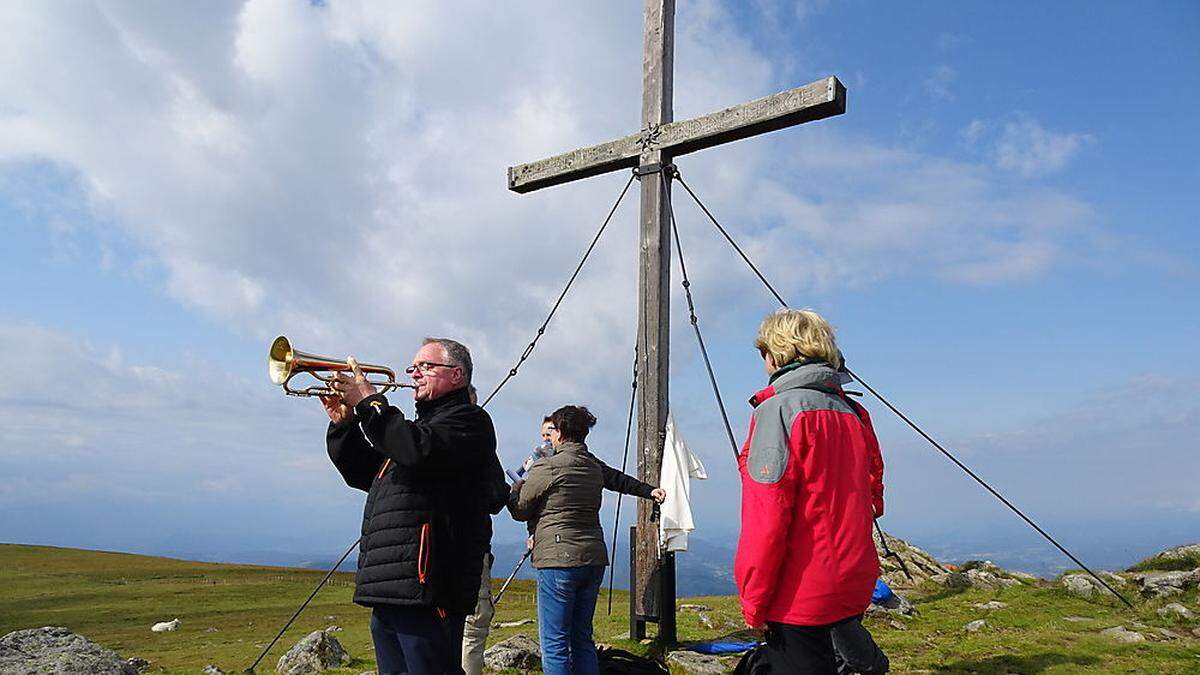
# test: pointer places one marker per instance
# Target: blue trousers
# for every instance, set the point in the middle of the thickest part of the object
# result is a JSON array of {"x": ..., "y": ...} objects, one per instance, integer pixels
[
  {"x": 566, "y": 604},
  {"x": 416, "y": 641}
]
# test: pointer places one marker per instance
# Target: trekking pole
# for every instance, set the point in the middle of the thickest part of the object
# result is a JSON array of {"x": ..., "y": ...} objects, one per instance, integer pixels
[
  {"x": 889, "y": 553},
  {"x": 496, "y": 600},
  {"x": 301, "y": 609}
]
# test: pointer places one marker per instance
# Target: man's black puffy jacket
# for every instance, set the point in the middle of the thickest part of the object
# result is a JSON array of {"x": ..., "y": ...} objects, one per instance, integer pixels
[{"x": 431, "y": 486}]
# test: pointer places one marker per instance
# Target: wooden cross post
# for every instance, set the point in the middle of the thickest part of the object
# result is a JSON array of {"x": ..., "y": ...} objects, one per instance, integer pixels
[{"x": 652, "y": 592}]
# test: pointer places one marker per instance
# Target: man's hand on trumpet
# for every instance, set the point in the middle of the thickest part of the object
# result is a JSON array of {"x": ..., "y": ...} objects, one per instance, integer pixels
[
  {"x": 352, "y": 388},
  {"x": 339, "y": 413}
]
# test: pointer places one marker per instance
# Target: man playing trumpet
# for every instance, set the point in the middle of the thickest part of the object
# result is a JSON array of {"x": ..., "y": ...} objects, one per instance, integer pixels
[{"x": 432, "y": 483}]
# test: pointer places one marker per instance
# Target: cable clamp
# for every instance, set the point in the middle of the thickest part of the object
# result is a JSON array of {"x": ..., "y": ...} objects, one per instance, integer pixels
[{"x": 656, "y": 167}]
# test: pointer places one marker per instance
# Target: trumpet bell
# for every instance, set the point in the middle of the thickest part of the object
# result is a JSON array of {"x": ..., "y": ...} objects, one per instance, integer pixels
[
  {"x": 284, "y": 362},
  {"x": 279, "y": 362}
]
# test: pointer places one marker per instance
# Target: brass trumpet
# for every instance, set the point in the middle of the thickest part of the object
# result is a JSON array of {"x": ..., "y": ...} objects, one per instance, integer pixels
[{"x": 284, "y": 363}]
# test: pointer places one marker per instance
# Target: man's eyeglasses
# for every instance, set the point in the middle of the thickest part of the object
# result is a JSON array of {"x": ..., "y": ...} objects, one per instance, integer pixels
[{"x": 426, "y": 367}]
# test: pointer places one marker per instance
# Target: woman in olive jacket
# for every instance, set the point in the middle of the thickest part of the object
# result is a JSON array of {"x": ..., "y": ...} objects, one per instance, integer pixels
[{"x": 562, "y": 495}]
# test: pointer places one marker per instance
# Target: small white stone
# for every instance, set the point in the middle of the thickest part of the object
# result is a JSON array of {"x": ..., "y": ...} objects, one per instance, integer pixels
[{"x": 994, "y": 604}]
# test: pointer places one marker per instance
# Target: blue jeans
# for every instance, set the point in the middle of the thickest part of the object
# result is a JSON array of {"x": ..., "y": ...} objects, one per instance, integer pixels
[{"x": 566, "y": 603}]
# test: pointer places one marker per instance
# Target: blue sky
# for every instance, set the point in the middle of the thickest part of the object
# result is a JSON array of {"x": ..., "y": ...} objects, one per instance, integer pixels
[{"x": 1002, "y": 229}]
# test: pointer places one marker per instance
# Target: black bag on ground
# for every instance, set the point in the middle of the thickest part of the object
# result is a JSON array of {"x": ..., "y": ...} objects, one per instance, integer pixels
[
  {"x": 621, "y": 662},
  {"x": 753, "y": 662}
]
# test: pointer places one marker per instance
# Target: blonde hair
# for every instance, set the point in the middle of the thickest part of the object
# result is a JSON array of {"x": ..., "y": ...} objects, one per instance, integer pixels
[{"x": 792, "y": 334}]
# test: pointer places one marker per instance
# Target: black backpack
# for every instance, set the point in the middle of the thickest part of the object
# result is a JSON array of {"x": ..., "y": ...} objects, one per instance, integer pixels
[
  {"x": 621, "y": 662},
  {"x": 753, "y": 662}
]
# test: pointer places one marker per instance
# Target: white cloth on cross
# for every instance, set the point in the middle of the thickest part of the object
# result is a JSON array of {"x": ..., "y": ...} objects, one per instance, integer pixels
[{"x": 679, "y": 467}]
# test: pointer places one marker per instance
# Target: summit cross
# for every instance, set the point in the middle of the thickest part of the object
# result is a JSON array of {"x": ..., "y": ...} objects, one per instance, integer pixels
[{"x": 650, "y": 152}]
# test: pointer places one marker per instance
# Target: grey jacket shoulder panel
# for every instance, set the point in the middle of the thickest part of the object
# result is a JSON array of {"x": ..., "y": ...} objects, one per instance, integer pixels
[{"x": 767, "y": 458}]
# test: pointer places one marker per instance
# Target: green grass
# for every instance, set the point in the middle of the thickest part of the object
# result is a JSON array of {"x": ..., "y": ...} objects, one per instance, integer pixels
[{"x": 229, "y": 612}]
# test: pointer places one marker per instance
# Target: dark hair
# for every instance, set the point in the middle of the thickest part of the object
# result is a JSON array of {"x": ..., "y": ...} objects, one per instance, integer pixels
[
  {"x": 456, "y": 352},
  {"x": 573, "y": 422},
  {"x": 547, "y": 418}
]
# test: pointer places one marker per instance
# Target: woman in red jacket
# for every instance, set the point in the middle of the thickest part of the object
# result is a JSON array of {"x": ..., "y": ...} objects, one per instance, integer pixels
[{"x": 812, "y": 481}]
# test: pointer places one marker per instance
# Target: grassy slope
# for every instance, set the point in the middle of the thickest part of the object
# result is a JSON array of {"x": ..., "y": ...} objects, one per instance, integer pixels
[{"x": 114, "y": 598}]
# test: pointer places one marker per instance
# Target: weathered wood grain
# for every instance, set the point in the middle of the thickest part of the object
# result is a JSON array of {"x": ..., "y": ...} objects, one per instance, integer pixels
[
  {"x": 654, "y": 319},
  {"x": 814, "y": 101}
]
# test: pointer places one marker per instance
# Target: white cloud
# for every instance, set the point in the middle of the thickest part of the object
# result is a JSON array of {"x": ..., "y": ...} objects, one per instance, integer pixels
[
  {"x": 1023, "y": 146},
  {"x": 114, "y": 428},
  {"x": 336, "y": 174}
]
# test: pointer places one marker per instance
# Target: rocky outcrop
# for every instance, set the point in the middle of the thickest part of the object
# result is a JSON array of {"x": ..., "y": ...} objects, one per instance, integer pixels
[
  {"x": 317, "y": 652},
  {"x": 920, "y": 564},
  {"x": 1082, "y": 585},
  {"x": 57, "y": 650},
  {"x": 1172, "y": 556},
  {"x": 977, "y": 574},
  {"x": 518, "y": 652},
  {"x": 1166, "y": 584}
]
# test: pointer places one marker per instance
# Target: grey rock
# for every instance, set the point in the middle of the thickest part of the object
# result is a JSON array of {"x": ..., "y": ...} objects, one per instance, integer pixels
[
  {"x": 1123, "y": 634},
  {"x": 138, "y": 663},
  {"x": 518, "y": 652},
  {"x": 695, "y": 608},
  {"x": 980, "y": 578},
  {"x": 695, "y": 664},
  {"x": 317, "y": 652},
  {"x": 1175, "y": 610},
  {"x": 1166, "y": 584},
  {"x": 1196, "y": 632},
  {"x": 986, "y": 574},
  {"x": 952, "y": 580},
  {"x": 54, "y": 649},
  {"x": 1077, "y": 619},
  {"x": 920, "y": 564},
  {"x": 897, "y": 605},
  {"x": 210, "y": 669},
  {"x": 1113, "y": 579},
  {"x": 1166, "y": 634},
  {"x": 975, "y": 626},
  {"x": 994, "y": 604},
  {"x": 1082, "y": 585}
]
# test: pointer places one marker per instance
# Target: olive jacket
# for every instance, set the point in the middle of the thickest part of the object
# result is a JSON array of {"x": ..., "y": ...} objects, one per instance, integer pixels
[{"x": 561, "y": 495}]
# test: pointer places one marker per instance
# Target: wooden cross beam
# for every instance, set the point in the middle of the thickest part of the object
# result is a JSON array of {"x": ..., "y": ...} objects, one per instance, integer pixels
[
  {"x": 814, "y": 101},
  {"x": 652, "y": 592}
]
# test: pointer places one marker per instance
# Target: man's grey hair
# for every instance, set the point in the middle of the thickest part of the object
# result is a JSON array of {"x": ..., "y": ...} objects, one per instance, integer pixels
[{"x": 456, "y": 352}]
